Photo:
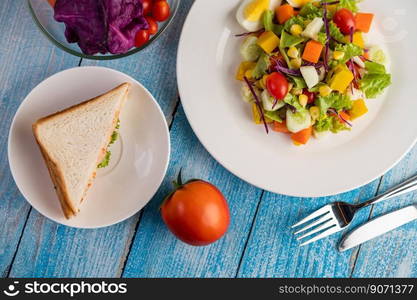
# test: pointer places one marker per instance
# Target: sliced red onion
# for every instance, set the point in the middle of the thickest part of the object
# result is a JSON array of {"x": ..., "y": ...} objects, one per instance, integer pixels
[{"x": 258, "y": 103}]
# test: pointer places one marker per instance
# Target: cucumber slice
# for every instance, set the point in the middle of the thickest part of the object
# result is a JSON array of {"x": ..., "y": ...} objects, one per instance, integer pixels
[
  {"x": 298, "y": 121},
  {"x": 250, "y": 50},
  {"x": 268, "y": 102}
]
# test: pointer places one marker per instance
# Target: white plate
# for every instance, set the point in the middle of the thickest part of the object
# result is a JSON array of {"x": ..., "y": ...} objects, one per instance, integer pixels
[
  {"x": 207, "y": 61},
  {"x": 139, "y": 159}
]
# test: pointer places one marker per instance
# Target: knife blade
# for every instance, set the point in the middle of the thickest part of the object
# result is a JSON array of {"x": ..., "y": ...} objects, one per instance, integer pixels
[{"x": 377, "y": 227}]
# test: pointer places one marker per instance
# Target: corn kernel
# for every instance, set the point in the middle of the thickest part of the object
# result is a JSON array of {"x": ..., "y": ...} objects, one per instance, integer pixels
[
  {"x": 296, "y": 91},
  {"x": 325, "y": 90},
  {"x": 338, "y": 55},
  {"x": 303, "y": 99},
  {"x": 293, "y": 52},
  {"x": 314, "y": 112},
  {"x": 296, "y": 63},
  {"x": 296, "y": 29}
]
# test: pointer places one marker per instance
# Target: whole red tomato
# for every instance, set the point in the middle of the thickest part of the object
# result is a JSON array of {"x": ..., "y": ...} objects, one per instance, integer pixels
[
  {"x": 196, "y": 212},
  {"x": 161, "y": 10},
  {"x": 345, "y": 20},
  {"x": 277, "y": 85},
  {"x": 147, "y": 7},
  {"x": 153, "y": 26},
  {"x": 311, "y": 96},
  {"x": 142, "y": 36}
]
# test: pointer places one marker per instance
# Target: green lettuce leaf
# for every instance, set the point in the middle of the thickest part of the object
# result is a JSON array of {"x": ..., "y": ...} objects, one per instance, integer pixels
[
  {"x": 375, "y": 81},
  {"x": 350, "y": 50},
  {"x": 267, "y": 18},
  {"x": 105, "y": 162},
  {"x": 274, "y": 115},
  {"x": 330, "y": 123},
  {"x": 309, "y": 11},
  {"x": 334, "y": 100},
  {"x": 293, "y": 101},
  {"x": 352, "y": 5},
  {"x": 374, "y": 84},
  {"x": 294, "y": 20},
  {"x": 299, "y": 82},
  {"x": 336, "y": 33},
  {"x": 262, "y": 66},
  {"x": 288, "y": 40},
  {"x": 375, "y": 68}
]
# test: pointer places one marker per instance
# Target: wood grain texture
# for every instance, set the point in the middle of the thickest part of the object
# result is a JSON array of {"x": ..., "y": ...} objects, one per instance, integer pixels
[
  {"x": 52, "y": 250},
  {"x": 26, "y": 58},
  {"x": 157, "y": 253},
  {"x": 393, "y": 254},
  {"x": 273, "y": 251}
]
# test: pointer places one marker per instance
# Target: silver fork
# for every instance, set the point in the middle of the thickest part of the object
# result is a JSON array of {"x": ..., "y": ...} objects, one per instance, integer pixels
[{"x": 337, "y": 216}]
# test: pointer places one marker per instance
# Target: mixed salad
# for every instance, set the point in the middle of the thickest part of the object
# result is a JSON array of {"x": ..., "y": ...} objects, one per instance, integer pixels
[
  {"x": 114, "y": 26},
  {"x": 306, "y": 67}
]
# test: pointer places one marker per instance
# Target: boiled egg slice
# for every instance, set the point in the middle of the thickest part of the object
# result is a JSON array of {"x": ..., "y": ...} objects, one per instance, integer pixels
[
  {"x": 249, "y": 14},
  {"x": 298, "y": 3}
]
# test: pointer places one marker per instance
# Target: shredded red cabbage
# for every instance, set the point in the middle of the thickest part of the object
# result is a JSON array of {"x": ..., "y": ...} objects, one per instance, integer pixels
[
  {"x": 258, "y": 103},
  {"x": 330, "y": 3},
  {"x": 279, "y": 66},
  {"x": 249, "y": 33},
  {"x": 327, "y": 48}
]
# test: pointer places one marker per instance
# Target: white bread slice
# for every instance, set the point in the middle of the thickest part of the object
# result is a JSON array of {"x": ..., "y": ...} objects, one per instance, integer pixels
[{"x": 74, "y": 141}]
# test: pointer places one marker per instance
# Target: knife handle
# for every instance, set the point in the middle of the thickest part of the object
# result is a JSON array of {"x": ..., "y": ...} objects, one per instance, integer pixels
[
  {"x": 377, "y": 227},
  {"x": 407, "y": 186}
]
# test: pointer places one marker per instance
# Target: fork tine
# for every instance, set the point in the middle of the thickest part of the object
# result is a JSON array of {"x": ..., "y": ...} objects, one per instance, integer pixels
[
  {"x": 321, "y": 220},
  {"x": 317, "y": 213},
  {"x": 328, "y": 232},
  {"x": 327, "y": 224}
]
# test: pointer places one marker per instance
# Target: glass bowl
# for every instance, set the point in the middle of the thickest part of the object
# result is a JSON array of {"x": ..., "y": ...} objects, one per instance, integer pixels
[{"x": 43, "y": 15}]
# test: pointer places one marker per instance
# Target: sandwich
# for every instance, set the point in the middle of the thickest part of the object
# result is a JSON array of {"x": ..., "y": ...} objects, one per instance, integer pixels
[{"x": 74, "y": 143}]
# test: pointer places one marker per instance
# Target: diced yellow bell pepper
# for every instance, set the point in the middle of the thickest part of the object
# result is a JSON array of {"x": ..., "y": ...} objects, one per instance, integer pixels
[
  {"x": 257, "y": 118},
  {"x": 268, "y": 41},
  {"x": 256, "y": 114},
  {"x": 341, "y": 79},
  {"x": 358, "y": 39},
  {"x": 243, "y": 68},
  {"x": 358, "y": 109}
]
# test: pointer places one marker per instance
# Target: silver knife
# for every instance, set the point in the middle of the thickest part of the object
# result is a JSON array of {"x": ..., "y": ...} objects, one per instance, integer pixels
[{"x": 377, "y": 227}]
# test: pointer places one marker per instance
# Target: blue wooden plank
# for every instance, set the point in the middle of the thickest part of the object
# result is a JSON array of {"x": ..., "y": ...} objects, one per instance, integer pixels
[
  {"x": 52, "y": 250},
  {"x": 26, "y": 58},
  {"x": 393, "y": 254},
  {"x": 157, "y": 253},
  {"x": 273, "y": 251}
]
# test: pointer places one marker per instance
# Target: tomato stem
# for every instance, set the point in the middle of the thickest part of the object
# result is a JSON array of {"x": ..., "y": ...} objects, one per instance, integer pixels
[{"x": 178, "y": 183}]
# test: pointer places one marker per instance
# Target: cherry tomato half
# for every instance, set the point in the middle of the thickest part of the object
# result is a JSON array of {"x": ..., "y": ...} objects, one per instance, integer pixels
[
  {"x": 142, "y": 36},
  {"x": 277, "y": 85},
  {"x": 345, "y": 20},
  {"x": 147, "y": 7},
  {"x": 161, "y": 10},
  {"x": 311, "y": 96},
  {"x": 153, "y": 26}
]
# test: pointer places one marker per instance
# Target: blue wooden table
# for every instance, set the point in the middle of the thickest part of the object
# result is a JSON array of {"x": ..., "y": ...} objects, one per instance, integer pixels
[{"x": 259, "y": 242}]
